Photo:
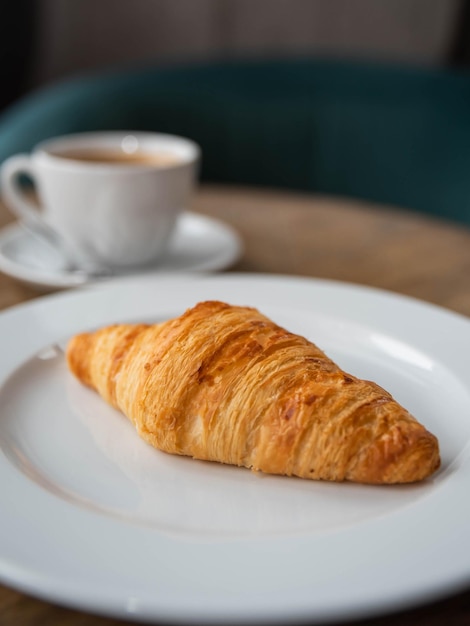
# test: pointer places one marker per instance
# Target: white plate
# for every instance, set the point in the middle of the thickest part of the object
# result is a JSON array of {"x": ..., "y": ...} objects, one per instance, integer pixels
[
  {"x": 93, "y": 518},
  {"x": 199, "y": 244}
]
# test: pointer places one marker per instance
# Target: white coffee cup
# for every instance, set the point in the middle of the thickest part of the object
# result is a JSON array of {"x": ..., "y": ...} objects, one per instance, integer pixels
[{"x": 107, "y": 200}]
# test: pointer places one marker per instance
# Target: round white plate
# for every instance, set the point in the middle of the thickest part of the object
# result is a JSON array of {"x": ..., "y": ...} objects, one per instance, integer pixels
[
  {"x": 94, "y": 518},
  {"x": 199, "y": 244}
]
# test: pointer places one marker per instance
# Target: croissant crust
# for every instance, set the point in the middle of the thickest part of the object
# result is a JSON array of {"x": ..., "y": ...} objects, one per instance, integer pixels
[{"x": 224, "y": 383}]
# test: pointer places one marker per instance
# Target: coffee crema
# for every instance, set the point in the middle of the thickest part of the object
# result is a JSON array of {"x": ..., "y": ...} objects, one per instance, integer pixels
[{"x": 119, "y": 157}]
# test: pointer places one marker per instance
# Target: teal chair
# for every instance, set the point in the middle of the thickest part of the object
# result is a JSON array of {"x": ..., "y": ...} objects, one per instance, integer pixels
[{"x": 389, "y": 134}]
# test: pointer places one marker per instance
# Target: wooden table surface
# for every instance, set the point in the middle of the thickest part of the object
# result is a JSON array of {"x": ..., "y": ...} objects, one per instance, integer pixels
[{"x": 288, "y": 233}]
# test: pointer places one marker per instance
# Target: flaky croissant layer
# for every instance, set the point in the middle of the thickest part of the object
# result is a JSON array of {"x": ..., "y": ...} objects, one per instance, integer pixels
[{"x": 224, "y": 383}]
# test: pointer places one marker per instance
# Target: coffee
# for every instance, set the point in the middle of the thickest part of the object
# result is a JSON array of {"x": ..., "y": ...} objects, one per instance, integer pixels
[{"x": 119, "y": 157}]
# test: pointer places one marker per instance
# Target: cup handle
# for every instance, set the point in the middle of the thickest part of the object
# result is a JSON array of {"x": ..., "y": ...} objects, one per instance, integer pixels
[
  {"x": 19, "y": 204},
  {"x": 13, "y": 195}
]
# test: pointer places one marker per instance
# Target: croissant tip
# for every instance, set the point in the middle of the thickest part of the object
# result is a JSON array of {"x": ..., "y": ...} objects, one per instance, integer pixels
[{"x": 411, "y": 458}]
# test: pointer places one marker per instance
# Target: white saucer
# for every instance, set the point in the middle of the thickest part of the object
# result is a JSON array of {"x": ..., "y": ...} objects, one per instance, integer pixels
[{"x": 200, "y": 244}]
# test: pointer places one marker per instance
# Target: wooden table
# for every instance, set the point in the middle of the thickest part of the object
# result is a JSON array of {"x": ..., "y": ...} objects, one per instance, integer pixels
[{"x": 307, "y": 235}]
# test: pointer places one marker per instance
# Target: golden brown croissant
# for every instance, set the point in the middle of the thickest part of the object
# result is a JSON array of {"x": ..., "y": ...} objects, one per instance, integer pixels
[{"x": 224, "y": 383}]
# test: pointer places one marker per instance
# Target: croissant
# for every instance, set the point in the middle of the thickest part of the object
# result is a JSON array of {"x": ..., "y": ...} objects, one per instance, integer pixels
[{"x": 224, "y": 383}]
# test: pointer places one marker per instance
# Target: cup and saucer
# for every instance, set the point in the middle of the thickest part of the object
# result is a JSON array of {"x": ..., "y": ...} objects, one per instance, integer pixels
[{"x": 110, "y": 204}]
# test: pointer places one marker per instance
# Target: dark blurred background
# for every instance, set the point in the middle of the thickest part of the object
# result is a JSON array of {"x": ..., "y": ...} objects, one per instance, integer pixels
[{"x": 42, "y": 41}]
